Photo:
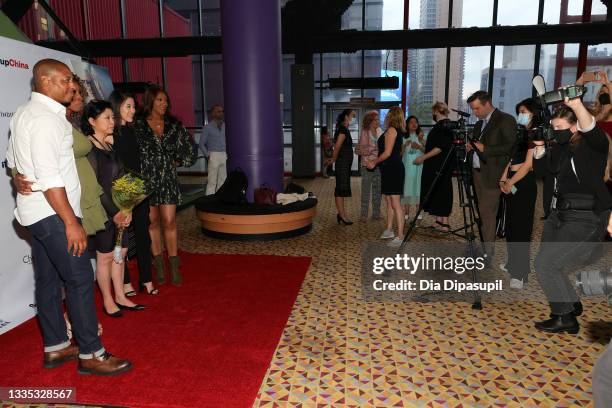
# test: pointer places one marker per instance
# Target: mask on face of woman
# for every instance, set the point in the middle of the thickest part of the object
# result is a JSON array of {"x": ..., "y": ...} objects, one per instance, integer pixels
[
  {"x": 562, "y": 136},
  {"x": 523, "y": 119}
]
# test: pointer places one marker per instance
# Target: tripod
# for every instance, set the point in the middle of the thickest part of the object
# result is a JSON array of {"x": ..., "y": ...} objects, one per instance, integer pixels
[{"x": 467, "y": 202}]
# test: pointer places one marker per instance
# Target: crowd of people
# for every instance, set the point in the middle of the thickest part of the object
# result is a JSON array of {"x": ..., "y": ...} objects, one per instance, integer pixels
[
  {"x": 65, "y": 155},
  {"x": 505, "y": 157}
]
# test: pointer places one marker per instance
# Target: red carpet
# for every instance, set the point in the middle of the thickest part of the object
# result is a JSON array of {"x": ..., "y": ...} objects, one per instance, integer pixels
[{"x": 207, "y": 344}]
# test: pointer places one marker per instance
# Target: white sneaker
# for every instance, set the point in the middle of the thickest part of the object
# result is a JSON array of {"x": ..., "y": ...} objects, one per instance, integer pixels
[
  {"x": 503, "y": 267},
  {"x": 395, "y": 242},
  {"x": 516, "y": 283},
  {"x": 387, "y": 234}
]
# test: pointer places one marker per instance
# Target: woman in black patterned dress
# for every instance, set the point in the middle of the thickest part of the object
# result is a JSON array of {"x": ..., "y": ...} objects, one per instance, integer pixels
[
  {"x": 343, "y": 157},
  {"x": 164, "y": 145}
]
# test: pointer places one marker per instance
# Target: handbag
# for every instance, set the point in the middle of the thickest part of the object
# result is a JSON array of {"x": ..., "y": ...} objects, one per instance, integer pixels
[
  {"x": 233, "y": 190},
  {"x": 265, "y": 195},
  {"x": 500, "y": 228}
]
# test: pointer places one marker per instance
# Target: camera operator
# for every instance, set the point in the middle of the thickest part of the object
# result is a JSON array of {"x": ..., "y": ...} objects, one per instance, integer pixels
[
  {"x": 580, "y": 208},
  {"x": 439, "y": 141},
  {"x": 496, "y": 134},
  {"x": 519, "y": 184}
]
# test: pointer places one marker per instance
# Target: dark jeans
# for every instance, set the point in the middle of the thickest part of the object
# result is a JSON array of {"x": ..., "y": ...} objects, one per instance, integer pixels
[
  {"x": 54, "y": 267},
  {"x": 569, "y": 238},
  {"x": 140, "y": 224},
  {"x": 519, "y": 226}
]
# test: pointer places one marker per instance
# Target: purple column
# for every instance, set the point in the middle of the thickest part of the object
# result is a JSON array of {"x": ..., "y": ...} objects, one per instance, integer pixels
[{"x": 251, "y": 38}]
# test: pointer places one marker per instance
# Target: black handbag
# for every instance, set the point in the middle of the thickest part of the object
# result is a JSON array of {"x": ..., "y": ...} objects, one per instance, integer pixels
[{"x": 500, "y": 228}]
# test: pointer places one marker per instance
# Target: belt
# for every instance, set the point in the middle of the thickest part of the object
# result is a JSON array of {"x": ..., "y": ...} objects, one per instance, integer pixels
[{"x": 578, "y": 202}]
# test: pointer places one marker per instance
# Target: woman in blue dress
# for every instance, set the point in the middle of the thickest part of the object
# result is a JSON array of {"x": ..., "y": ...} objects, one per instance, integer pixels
[{"x": 414, "y": 146}]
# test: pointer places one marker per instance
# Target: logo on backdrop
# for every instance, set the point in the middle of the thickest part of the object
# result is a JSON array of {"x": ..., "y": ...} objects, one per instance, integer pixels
[
  {"x": 6, "y": 114},
  {"x": 27, "y": 259},
  {"x": 13, "y": 63},
  {"x": 4, "y": 323}
]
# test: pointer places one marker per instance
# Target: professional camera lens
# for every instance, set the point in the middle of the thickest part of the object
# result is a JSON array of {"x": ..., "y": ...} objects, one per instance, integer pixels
[{"x": 595, "y": 283}]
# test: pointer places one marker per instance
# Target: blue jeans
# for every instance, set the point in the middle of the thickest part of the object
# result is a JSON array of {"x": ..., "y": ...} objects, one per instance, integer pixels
[{"x": 55, "y": 267}]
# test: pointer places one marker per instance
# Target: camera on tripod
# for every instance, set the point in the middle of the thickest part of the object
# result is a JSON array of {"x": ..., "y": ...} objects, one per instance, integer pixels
[{"x": 538, "y": 133}]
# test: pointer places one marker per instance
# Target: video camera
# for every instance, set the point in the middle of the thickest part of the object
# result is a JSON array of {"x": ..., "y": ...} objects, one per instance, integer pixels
[
  {"x": 458, "y": 127},
  {"x": 596, "y": 282},
  {"x": 544, "y": 131}
]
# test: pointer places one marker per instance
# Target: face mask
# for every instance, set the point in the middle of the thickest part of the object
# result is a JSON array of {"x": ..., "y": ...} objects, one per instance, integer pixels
[
  {"x": 523, "y": 119},
  {"x": 604, "y": 99},
  {"x": 562, "y": 136}
]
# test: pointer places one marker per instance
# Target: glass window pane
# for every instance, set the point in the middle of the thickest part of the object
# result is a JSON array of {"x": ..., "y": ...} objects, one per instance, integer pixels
[
  {"x": 211, "y": 17},
  {"x": 388, "y": 14},
  {"x": 517, "y": 12},
  {"x": 469, "y": 73},
  {"x": 599, "y": 58},
  {"x": 352, "y": 17},
  {"x": 512, "y": 76},
  {"x": 434, "y": 14},
  {"x": 558, "y": 64},
  {"x": 476, "y": 13},
  {"x": 427, "y": 80},
  {"x": 555, "y": 14}
]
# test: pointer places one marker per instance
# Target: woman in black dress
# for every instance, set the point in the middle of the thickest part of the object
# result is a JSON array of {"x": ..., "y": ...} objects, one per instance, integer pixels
[
  {"x": 518, "y": 183},
  {"x": 164, "y": 145},
  {"x": 392, "y": 171},
  {"x": 128, "y": 152},
  {"x": 343, "y": 157},
  {"x": 97, "y": 123},
  {"x": 439, "y": 141}
]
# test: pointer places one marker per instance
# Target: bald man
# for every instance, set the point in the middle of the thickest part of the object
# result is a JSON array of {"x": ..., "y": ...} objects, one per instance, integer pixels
[{"x": 40, "y": 148}]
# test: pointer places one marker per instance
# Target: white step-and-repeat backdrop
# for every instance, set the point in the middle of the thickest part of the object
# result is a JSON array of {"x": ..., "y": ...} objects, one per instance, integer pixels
[{"x": 16, "y": 274}]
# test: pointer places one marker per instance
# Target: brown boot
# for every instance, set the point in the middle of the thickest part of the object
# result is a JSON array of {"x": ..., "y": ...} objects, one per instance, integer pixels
[
  {"x": 57, "y": 358},
  {"x": 160, "y": 269},
  {"x": 106, "y": 365},
  {"x": 175, "y": 262}
]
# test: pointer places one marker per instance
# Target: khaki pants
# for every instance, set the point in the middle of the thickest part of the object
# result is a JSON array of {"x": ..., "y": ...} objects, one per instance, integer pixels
[
  {"x": 488, "y": 203},
  {"x": 217, "y": 171}
]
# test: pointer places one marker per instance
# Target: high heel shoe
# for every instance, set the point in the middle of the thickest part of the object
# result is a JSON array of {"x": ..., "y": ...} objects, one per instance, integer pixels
[
  {"x": 118, "y": 313},
  {"x": 342, "y": 220},
  {"x": 134, "y": 308},
  {"x": 154, "y": 291}
]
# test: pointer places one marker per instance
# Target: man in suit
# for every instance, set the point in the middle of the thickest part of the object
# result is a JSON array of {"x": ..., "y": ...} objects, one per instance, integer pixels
[{"x": 495, "y": 133}]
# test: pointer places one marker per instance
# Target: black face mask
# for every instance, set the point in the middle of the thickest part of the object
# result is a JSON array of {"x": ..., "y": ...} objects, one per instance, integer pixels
[
  {"x": 604, "y": 99},
  {"x": 563, "y": 136}
]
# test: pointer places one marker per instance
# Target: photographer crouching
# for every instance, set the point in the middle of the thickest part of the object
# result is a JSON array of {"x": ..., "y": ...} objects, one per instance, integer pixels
[{"x": 580, "y": 209}]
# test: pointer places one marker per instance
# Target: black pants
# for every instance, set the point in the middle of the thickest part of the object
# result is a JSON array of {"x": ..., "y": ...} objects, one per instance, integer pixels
[
  {"x": 569, "y": 238},
  {"x": 140, "y": 225},
  {"x": 519, "y": 226},
  {"x": 54, "y": 267}
]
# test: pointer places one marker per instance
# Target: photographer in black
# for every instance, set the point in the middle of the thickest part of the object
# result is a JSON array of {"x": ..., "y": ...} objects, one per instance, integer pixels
[{"x": 580, "y": 210}]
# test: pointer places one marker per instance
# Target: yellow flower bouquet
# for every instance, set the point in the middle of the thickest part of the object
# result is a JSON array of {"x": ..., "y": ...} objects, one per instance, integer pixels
[{"x": 128, "y": 191}]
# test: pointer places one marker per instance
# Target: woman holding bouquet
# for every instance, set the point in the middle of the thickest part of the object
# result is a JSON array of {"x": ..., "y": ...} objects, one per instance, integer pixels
[
  {"x": 164, "y": 145},
  {"x": 128, "y": 152},
  {"x": 97, "y": 123}
]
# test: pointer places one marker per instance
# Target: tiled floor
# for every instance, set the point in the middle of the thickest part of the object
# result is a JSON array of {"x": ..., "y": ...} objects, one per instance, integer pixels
[{"x": 338, "y": 350}]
